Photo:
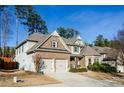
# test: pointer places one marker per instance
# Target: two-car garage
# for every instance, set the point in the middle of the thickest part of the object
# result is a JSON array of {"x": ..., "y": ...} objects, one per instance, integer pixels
[{"x": 55, "y": 65}]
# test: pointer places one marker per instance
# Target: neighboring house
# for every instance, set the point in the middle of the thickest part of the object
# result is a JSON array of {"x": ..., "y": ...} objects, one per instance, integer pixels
[
  {"x": 120, "y": 65},
  {"x": 90, "y": 55},
  {"x": 58, "y": 54},
  {"x": 110, "y": 56},
  {"x": 102, "y": 51}
]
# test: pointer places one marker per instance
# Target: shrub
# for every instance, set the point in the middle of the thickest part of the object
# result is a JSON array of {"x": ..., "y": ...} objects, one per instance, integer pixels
[
  {"x": 78, "y": 70},
  {"x": 1, "y": 60},
  {"x": 96, "y": 66},
  {"x": 89, "y": 66},
  {"x": 103, "y": 67},
  {"x": 8, "y": 65},
  {"x": 107, "y": 68},
  {"x": 1, "y": 63},
  {"x": 113, "y": 69}
]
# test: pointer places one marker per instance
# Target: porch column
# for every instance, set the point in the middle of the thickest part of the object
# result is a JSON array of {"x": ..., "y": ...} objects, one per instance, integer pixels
[{"x": 75, "y": 62}]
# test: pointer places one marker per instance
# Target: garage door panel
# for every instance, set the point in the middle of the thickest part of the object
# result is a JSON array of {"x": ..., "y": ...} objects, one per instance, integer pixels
[
  {"x": 50, "y": 65},
  {"x": 61, "y": 65},
  {"x": 47, "y": 65}
]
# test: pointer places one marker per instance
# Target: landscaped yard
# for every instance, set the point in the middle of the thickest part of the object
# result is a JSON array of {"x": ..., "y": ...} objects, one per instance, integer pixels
[
  {"x": 119, "y": 77},
  {"x": 24, "y": 79}
]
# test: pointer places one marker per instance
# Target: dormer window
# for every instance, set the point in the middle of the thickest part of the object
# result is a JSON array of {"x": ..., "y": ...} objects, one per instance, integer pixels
[
  {"x": 54, "y": 44},
  {"x": 76, "y": 49}
]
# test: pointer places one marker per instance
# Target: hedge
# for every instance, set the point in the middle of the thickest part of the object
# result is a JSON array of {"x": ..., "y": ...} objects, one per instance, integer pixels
[
  {"x": 8, "y": 65},
  {"x": 103, "y": 67},
  {"x": 78, "y": 70}
]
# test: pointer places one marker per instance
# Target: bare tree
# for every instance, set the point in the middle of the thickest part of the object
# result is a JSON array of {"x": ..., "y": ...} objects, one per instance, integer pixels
[
  {"x": 0, "y": 36},
  {"x": 118, "y": 43},
  {"x": 5, "y": 28},
  {"x": 120, "y": 38},
  {"x": 1, "y": 10},
  {"x": 37, "y": 62}
]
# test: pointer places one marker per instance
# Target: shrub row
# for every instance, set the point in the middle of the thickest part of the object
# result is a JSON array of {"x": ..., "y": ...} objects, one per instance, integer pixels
[
  {"x": 103, "y": 67},
  {"x": 8, "y": 65},
  {"x": 78, "y": 70},
  {"x": 1, "y": 60}
]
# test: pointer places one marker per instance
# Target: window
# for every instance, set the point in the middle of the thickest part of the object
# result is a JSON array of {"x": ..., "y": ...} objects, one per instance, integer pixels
[
  {"x": 96, "y": 60},
  {"x": 16, "y": 51},
  {"x": 76, "y": 49},
  {"x": 22, "y": 48},
  {"x": 54, "y": 44},
  {"x": 89, "y": 61},
  {"x": 19, "y": 50}
]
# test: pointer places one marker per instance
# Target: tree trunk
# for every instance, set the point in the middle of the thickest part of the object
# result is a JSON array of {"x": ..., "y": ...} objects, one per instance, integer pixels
[
  {"x": 4, "y": 45},
  {"x": 0, "y": 37},
  {"x": 123, "y": 66},
  {"x": 16, "y": 31},
  {"x": 0, "y": 42}
]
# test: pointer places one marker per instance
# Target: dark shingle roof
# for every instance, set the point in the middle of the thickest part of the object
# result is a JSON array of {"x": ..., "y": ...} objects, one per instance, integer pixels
[
  {"x": 37, "y": 37},
  {"x": 34, "y": 37},
  {"x": 110, "y": 52},
  {"x": 70, "y": 41},
  {"x": 33, "y": 47},
  {"x": 40, "y": 38},
  {"x": 101, "y": 50},
  {"x": 88, "y": 51}
]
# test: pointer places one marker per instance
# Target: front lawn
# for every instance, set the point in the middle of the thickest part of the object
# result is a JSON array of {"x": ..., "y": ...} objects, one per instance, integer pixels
[
  {"x": 105, "y": 76},
  {"x": 24, "y": 79}
]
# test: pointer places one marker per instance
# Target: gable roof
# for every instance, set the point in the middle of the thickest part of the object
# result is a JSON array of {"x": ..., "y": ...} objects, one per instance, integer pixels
[
  {"x": 44, "y": 39},
  {"x": 38, "y": 37},
  {"x": 71, "y": 41},
  {"x": 88, "y": 51}
]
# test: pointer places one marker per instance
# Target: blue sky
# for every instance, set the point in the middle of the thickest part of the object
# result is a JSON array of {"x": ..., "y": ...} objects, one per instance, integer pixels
[{"x": 90, "y": 21}]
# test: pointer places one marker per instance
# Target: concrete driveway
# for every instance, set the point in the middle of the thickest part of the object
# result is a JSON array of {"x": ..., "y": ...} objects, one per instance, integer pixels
[{"x": 74, "y": 80}]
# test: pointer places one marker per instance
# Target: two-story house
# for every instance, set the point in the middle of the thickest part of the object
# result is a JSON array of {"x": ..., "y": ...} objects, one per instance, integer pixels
[{"x": 58, "y": 54}]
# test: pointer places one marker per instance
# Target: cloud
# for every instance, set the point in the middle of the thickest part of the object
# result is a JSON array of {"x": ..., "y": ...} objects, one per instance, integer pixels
[
  {"x": 93, "y": 23},
  {"x": 87, "y": 16}
]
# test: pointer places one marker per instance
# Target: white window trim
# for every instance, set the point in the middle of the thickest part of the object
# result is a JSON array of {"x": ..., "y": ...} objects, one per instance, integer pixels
[
  {"x": 56, "y": 44},
  {"x": 75, "y": 52}
]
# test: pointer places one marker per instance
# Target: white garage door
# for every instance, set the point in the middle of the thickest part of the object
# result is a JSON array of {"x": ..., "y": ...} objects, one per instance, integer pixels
[
  {"x": 61, "y": 65},
  {"x": 120, "y": 68},
  {"x": 48, "y": 65}
]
